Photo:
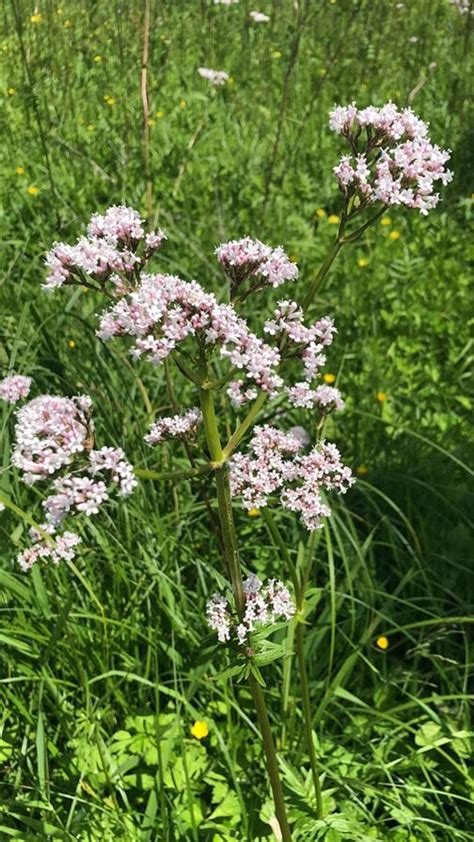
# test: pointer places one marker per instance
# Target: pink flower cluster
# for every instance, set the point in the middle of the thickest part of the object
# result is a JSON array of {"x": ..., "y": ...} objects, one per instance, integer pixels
[
  {"x": 464, "y": 7},
  {"x": 247, "y": 258},
  {"x": 14, "y": 387},
  {"x": 398, "y": 164},
  {"x": 52, "y": 433},
  {"x": 259, "y": 17},
  {"x": 264, "y": 605},
  {"x": 111, "y": 245},
  {"x": 274, "y": 465},
  {"x": 165, "y": 310},
  {"x": 307, "y": 344},
  {"x": 176, "y": 427},
  {"x": 63, "y": 548},
  {"x": 327, "y": 398},
  {"x": 215, "y": 77},
  {"x": 86, "y": 493}
]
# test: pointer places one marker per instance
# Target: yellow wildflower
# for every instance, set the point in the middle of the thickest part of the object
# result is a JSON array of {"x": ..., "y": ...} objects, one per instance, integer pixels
[
  {"x": 200, "y": 730},
  {"x": 20, "y": 170},
  {"x": 150, "y": 122},
  {"x": 362, "y": 262},
  {"x": 71, "y": 343},
  {"x": 253, "y": 512},
  {"x": 394, "y": 235},
  {"x": 90, "y": 127},
  {"x": 109, "y": 100},
  {"x": 385, "y": 221},
  {"x": 382, "y": 397},
  {"x": 11, "y": 91},
  {"x": 320, "y": 213},
  {"x": 230, "y": 80},
  {"x": 36, "y": 18},
  {"x": 67, "y": 24},
  {"x": 333, "y": 219},
  {"x": 329, "y": 378},
  {"x": 97, "y": 58},
  {"x": 382, "y": 642},
  {"x": 362, "y": 470},
  {"x": 32, "y": 190},
  {"x": 322, "y": 71},
  {"x": 182, "y": 103},
  {"x": 160, "y": 114},
  {"x": 276, "y": 54}
]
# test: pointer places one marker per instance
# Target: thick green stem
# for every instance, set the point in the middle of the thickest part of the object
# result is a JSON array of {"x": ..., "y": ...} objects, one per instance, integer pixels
[
  {"x": 303, "y": 675},
  {"x": 270, "y": 753},
  {"x": 231, "y": 556},
  {"x": 305, "y": 697}
]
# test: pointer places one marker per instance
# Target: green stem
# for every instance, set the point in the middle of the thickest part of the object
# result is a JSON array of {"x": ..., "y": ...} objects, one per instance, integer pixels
[
  {"x": 144, "y": 473},
  {"x": 305, "y": 697},
  {"x": 300, "y": 629},
  {"x": 231, "y": 556},
  {"x": 235, "y": 439},
  {"x": 272, "y": 763},
  {"x": 324, "y": 269}
]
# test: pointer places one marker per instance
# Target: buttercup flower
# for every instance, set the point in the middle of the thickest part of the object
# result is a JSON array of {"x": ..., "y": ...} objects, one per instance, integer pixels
[{"x": 200, "y": 730}]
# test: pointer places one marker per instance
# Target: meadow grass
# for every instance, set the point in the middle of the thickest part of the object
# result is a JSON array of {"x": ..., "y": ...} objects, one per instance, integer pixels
[{"x": 107, "y": 663}]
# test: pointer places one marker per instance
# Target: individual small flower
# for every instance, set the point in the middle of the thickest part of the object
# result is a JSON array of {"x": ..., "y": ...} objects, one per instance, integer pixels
[
  {"x": 394, "y": 235},
  {"x": 320, "y": 213},
  {"x": 160, "y": 114},
  {"x": 329, "y": 378},
  {"x": 382, "y": 642},
  {"x": 362, "y": 470},
  {"x": 20, "y": 170},
  {"x": 97, "y": 59},
  {"x": 14, "y": 387},
  {"x": 382, "y": 397},
  {"x": 32, "y": 190},
  {"x": 215, "y": 77},
  {"x": 11, "y": 91},
  {"x": 200, "y": 730},
  {"x": 362, "y": 262},
  {"x": 178, "y": 426},
  {"x": 182, "y": 103},
  {"x": 385, "y": 221},
  {"x": 71, "y": 344},
  {"x": 36, "y": 18},
  {"x": 259, "y": 17},
  {"x": 333, "y": 219},
  {"x": 254, "y": 512}
]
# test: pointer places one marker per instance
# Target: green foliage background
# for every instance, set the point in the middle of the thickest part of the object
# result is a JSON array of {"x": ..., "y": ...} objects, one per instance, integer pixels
[{"x": 104, "y": 672}]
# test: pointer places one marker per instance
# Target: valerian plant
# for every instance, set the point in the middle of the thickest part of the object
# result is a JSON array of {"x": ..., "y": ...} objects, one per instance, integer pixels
[{"x": 179, "y": 324}]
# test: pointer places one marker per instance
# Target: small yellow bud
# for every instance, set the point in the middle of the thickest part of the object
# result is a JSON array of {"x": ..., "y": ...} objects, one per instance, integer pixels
[
  {"x": 320, "y": 213},
  {"x": 71, "y": 343},
  {"x": 382, "y": 643},
  {"x": 11, "y": 91},
  {"x": 362, "y": 262},
  {"x": 182, "y": 103},
  {"x": 36, "y": 18},
  {"x": 20, "y": 170},
  {"x": 32, "y": 190},
  {"x": 394, "y": 235},
  {"x": 382, "y": 397},
  {"x": 385, "y": 221},
  {"x": 362, "y": 470},
  {"x": 329, "y": 378},
  {"x": 253, "y": 512},
  {"x": 160, "y": 114},
  {"x": 333, "y": 219}
]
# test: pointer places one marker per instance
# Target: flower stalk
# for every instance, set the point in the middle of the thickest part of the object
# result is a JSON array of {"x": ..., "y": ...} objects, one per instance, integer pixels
[{"x": 232, "y": 563}]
